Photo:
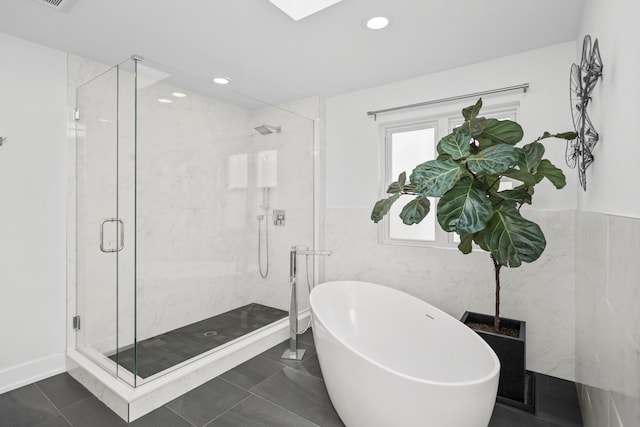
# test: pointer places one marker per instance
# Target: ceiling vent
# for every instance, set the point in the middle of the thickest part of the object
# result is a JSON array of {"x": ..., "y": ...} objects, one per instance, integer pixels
[{"x": 61, "y": 5}]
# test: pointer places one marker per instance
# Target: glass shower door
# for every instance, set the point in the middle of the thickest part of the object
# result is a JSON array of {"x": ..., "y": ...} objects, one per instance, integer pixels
[{"x": 99, "y": 230}]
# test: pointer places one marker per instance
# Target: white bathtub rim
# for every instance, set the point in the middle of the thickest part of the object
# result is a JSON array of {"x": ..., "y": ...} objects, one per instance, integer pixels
[{"x": 480, "y": 380}]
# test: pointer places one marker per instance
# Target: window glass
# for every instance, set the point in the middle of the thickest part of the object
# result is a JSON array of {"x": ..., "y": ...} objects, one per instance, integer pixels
[{"x": 407, "y": 145}]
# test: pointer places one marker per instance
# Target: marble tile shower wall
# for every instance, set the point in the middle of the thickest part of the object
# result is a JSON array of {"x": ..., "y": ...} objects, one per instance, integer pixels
[
  {"x": 541, "y": 293},
  {"x": 608, "y": 319},
  {"x": 197, "y": 234},
  {"x": 293, "y": 193},
  {"x": 180, "y": 268},
  {"x": 197, "y": 237}
]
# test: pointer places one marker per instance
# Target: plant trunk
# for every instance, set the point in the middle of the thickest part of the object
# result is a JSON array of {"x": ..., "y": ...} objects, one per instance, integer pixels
[{"x": 496, "y": 319}]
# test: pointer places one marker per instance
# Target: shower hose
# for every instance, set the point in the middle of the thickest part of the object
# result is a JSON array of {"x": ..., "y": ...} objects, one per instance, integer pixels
[{"x": 266, "y": 238}]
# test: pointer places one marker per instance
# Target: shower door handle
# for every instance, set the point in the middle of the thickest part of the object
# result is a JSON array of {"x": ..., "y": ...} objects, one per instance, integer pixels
[{"x": 120, "y": 225}]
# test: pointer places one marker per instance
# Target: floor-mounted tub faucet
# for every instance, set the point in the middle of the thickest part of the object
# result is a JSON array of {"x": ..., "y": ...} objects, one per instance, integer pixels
[{"x": 293, "y": 352}]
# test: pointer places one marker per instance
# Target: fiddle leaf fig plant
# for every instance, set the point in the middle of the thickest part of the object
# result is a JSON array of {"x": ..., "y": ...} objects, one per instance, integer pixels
[{"x": 472, "y": 160}]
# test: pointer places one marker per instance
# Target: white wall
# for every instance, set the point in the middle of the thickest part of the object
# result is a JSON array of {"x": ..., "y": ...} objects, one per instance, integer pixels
[
  {"x": 608, "y": 227},
  {"x": 541, "y": 293},
  {"x": 32, "y": 212},
  {"x": 352, "y": 136},
  {"x": 611, "y": 184}
]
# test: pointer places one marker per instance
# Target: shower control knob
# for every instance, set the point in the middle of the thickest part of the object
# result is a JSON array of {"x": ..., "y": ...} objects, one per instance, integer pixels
[{"x": 278, "y": 217}]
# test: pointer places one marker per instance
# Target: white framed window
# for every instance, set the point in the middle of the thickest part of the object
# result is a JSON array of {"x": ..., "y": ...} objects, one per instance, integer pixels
[{"x": 407, "y": 143}]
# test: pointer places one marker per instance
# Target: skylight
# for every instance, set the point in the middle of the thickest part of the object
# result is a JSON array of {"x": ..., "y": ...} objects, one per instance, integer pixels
[{"x": 298, "y": 9}]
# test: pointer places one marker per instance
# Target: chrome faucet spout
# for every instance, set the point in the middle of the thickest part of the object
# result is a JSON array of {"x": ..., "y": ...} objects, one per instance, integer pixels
[{"x": 312, "y": 252}]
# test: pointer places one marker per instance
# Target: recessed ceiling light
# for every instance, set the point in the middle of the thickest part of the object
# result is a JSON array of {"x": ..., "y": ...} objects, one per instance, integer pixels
[
  {"x": 377, "y": 23},
  {"x": 179, "y": 94},
  {"x": 221, "y": 80},
  {"x": 165, "y": 100}
]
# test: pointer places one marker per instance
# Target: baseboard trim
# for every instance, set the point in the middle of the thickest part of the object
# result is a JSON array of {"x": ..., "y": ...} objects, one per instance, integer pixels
[{"x": 29, "y": 372}]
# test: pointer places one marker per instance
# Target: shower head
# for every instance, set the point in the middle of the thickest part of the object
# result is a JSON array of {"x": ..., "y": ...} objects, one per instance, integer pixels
[{"x": 266, "y": 129}]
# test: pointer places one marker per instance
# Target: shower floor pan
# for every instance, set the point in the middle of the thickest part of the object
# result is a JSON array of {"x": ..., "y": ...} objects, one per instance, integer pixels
[
  {"x": 172, "y": 348},
  {"x": 130, "y": 403}
]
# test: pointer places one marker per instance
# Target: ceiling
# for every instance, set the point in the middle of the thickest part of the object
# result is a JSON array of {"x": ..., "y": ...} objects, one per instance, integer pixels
[{"x": 271, "y": 57}]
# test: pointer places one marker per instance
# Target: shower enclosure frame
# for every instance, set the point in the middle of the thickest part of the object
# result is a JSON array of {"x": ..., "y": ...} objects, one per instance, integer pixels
[{"x": 127, "y": 400}]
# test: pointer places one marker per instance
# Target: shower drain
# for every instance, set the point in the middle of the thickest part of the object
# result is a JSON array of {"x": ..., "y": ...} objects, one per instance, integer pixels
[{"x": 210, "y": 333}]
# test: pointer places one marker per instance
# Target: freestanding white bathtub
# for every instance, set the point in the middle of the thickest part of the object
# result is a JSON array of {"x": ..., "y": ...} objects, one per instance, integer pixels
[{"x": 389, "y": 359}]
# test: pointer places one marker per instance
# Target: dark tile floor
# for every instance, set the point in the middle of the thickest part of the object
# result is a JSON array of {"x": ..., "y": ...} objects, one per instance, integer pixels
[
  {"x": 265, "y": 391},
  {"x": 174, "y": 347}
]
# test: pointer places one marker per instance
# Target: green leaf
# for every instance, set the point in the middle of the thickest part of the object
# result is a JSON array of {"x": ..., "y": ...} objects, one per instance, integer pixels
[
  {"x": 569, "y": 136},
  {"x": 472, "y": 111},
  {"x": 474, "y": 127},
  {"x": 465, "y": 208},
  {"x": 456, "y": 144},
  {"x": 493, "y": 160},
  {"x": 485, "y": 143},
  {"x": 530, "y": 156},
  {"x": 465, "y": 243},
  {"x": 518, "y": 195},
  {"x": 530, "y": 190},
  {"x": 398, "y": 186},
  {"x": 435, "y": 177},
  {"x": 381, "y": 208},
  {"x": 547, "y": 170},
  {"x": 512, "y": 239},
  {"x": 491, "y": 185},
  {"x": 503, "y": 131},
  {"x": 402, "y": 179},
  {"x": 394, "y": 188},
  {"x": 479, "y": 239},
  {"x": 523, "y": 176},
  {"x": 409, "y": 189},
  {"x": 401, "y": 185},
  {"x": 415, "y": 210}
]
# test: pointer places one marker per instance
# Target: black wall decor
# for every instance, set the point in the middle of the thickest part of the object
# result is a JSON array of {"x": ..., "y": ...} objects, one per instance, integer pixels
[{"x": 582, "y": 81}]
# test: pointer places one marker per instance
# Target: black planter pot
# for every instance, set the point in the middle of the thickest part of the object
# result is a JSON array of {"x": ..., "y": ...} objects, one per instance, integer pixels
[{"x": 516, "y": 385}]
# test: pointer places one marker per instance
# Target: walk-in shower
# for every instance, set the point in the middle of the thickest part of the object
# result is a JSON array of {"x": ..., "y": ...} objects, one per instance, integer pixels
[{"x": 170, "y": 178}]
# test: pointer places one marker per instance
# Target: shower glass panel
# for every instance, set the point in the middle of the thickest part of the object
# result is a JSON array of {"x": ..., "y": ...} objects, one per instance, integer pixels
[
  {"x": 100, "y": 230},
  {"x": 196, "y": 172}
]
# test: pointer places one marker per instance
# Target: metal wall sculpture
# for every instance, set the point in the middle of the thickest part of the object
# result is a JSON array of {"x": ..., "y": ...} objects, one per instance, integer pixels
[{"x": 582, "y": 81}]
